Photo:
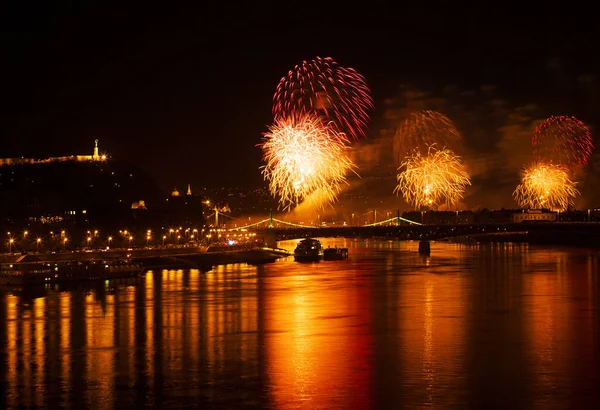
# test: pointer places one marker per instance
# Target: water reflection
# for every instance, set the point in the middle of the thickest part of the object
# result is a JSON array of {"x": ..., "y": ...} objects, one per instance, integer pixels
[
  {"x": 318, "y": 339},
  {"x": 494, "y": 326}
]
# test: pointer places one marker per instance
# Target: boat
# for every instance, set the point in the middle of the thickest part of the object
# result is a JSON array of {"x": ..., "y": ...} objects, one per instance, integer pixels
[
  {"x": 335, "y": 254},
  {"x": 308, "y": 250},
  {"x": 34, "y": 273}
]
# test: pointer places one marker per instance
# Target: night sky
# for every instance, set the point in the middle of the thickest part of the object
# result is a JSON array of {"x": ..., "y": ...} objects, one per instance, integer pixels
[{"x": 185, "y": 93}]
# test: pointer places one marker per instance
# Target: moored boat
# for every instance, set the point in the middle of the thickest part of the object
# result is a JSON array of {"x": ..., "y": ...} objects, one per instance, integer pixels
[
  {"x": 33, "y": 273},
  {"x": 335, "y": 254},
  {"x": 308, "y": 250}
]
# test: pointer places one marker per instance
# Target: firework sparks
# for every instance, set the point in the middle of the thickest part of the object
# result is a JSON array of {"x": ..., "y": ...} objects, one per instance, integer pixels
[
  {"x": 563, "y": 140},
  {"x": 545, "y": 186},
  {"x": 303, "y": 157},
  {"x": 422, "y": 129},
  {"x": 439, "y": 177},
  {"x": 339, "y": 95}
]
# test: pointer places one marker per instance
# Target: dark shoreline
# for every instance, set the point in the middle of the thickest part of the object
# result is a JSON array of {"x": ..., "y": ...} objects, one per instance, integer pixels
[
  {"x": 85, "y": 267},
  {"x": 534, "y": 238}
]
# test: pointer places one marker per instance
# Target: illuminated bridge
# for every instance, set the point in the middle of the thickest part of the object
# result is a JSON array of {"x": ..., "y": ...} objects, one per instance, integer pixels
[{"x": 399, "y": 228}]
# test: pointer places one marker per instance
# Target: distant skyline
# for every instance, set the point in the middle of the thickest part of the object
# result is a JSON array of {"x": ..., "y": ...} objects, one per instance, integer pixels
[{"x": 186, "y": 93}]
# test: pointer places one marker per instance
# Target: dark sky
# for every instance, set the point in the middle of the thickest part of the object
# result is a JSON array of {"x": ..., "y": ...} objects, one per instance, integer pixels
[{"x": 185, "y": 92}]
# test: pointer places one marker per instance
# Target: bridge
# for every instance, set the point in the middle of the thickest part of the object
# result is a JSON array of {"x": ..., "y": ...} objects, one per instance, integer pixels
[
  {"x": 581, "y": 233},
  {"x": 271, "y": 223}
]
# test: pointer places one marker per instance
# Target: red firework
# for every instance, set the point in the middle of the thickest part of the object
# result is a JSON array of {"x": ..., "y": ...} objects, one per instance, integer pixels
[
  {"x": 421, "y": 130},
  {"x": 563, "y": 140},
  {"x": 321, "y": 87}
]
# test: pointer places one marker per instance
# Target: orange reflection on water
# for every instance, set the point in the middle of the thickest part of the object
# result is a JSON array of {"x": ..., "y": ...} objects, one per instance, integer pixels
[
  {"x": 433, "y": 320},
  {"x": 64, "y": 348},
  {"x": 317, "y": 341},
  {"x": 560, "y": 323},
  {"x": 99, "y": 338}
]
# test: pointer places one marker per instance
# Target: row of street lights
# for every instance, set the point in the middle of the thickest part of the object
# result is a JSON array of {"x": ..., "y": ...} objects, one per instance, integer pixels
[{"x": 174, "y": 234}]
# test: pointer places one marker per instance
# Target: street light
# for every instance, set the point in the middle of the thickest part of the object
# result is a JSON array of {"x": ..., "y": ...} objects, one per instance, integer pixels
[
  {"x": 164, "y": 237},
  {"x": 178, "y": 237},
  {"x": 109, "y": 240},
  {"x": 37, "y": 242},
  {"x": 130, "y": 238},
  {"x": 89, "y": 240},
  {"x": 65, "y": 244},
  {"x": 10, "y": 242},
  {"x": 25, "y": 234},
  {"x": 147, "y": 239}
]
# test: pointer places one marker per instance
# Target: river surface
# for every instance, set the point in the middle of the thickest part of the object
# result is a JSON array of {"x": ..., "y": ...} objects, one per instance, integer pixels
[{"x": 495, "y": 326}]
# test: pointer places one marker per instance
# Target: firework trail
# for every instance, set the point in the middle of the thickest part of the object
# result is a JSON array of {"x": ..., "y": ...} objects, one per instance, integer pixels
[
  {"x": 545, "y": 186},
  {"x": 304, "y": 157},
  {"x": 337, "y": 94},
  {"x": 430, "y": 180},
  {"x": 563, "y": 140},
  {"x": 420, "y": 130}
]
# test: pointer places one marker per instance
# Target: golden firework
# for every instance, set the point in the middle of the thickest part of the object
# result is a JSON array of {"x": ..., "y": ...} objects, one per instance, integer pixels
[
  {"x": 422, "y": 129},
  {"x": 432, "y": 179},
  {"x": 304, "y": 156},
  {"x": 545, "y": 186}
]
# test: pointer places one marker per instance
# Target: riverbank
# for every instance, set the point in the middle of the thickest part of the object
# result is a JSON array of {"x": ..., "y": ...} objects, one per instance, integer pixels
[
  {"x": 533, "y": 238},
  {"x": 156, "y": 257},
  {"x": 206, "y": 260},
  {"x": 87, "y": 266}
]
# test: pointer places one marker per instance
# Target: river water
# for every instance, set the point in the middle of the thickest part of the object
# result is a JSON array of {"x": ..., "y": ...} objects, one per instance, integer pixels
[{"x": 506, "y": 326}]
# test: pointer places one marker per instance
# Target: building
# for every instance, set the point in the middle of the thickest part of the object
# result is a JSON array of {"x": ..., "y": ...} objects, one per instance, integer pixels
[
  {"x": 184, "y": 209},
  {"x": 536, "y": 215},
  {"x": 96, "y": 156}
]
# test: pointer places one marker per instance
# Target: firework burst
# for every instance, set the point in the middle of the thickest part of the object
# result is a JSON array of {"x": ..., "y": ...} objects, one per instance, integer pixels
[
  {"x": 545, "y": 186},
  {"x": 422, "y": 129},
  {"x": 337, "y": 94},
  {"x": 304, "y": 157},
  {"x": 432, "y": 179},
  {"x": 563, "y": 140}
]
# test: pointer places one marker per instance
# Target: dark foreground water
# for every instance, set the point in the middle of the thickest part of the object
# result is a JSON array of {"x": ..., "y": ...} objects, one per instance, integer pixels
[{"x": 496, "y": 326}]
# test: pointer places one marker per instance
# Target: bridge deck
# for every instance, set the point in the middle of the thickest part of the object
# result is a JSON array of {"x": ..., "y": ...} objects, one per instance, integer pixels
[{"x": 561, "y": 231}]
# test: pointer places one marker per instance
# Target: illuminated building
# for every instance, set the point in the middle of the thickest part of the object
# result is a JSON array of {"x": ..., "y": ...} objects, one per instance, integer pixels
[
  {"x": 535, "y": 215},
  {"x": 96, "y": 156},
  {"x": 185, "y": 209}
]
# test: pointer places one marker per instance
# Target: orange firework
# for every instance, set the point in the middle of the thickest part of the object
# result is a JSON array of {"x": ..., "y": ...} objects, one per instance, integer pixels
[
  {"x": 545, "y": 186},
  {"x": 421, "y": 130},
  {"x": 432, "y": 179},
  {"x": 304, "y": 156}
]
